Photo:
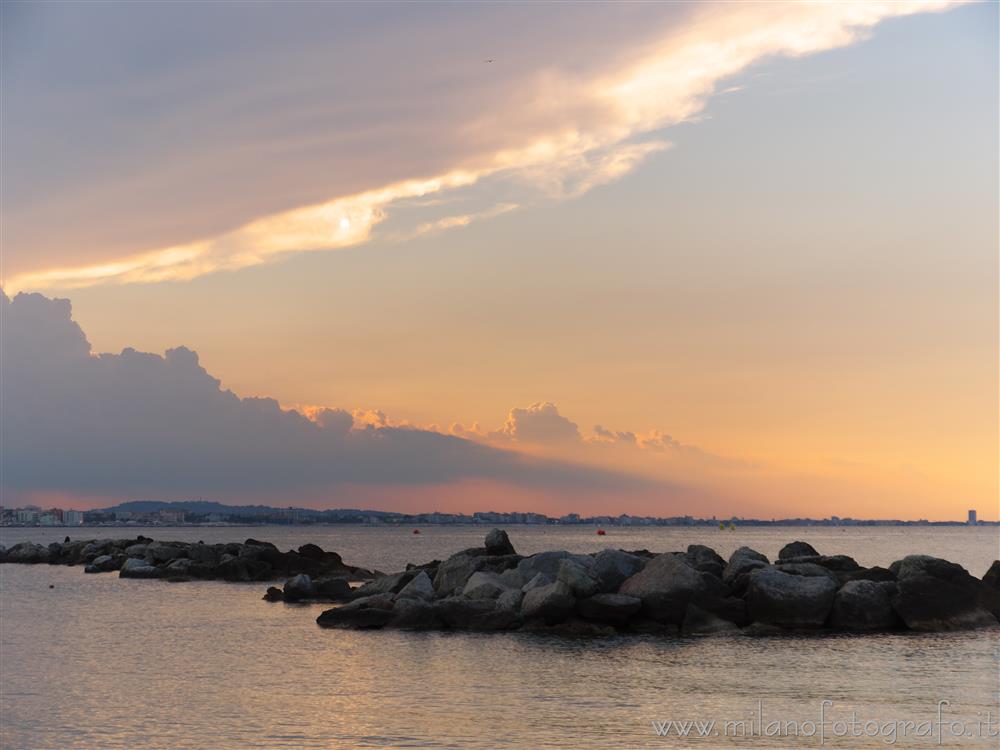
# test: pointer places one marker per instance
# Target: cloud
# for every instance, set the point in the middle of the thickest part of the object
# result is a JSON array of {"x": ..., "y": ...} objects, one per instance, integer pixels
[
  {"x": 345, "y": 152},
  {"x": 540, "y": 423},
  {"x": 142, "y": 425}
]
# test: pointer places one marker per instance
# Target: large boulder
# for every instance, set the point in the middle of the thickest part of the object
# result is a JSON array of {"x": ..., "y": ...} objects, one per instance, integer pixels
[
  {"x": 935, "y": 594},
  {"x": 136, "y": 550},
  {"x": 242, "y": 570},
  {"x": 578, "y": 578},
  {"x": 370, "y": 612},
  {"x": 548, "y": 563},
  {"x": 874, "y": 573},
  {"x": 137, "y": 567},
  {"x": 204, "y": 554},
  {"x": 484, "y": 585},
  {"x": 705, "y": 559},
  {"x": 741, "y": 564},
  {"x": 789, "y": 601},
  {"x": 613, "y": 566},
  {"x": 797, "y": 549},
  {"x": 335, "y": 588},
  {"x": 158, "y": 553},
  {"x": 992, "y": 576},
  {"x": 497, "y": 543},
  {"x": 806, "y": 569},
  {"x": 455, "y": 572},
  {"x": 551, "y": 603},
  {"x": 390, "y": 584},
  {"x": 510, "y": 599},
  {"x": 864, "y": 605},
  {"x": 420, "y": 587},
  {"x": 298, "y": 588},
  {"x": 28, "y": 552},
  {"x": 668, "y": 584},
  {"x": 613, "y": 608},
  {"x": 476, "y": 614}
]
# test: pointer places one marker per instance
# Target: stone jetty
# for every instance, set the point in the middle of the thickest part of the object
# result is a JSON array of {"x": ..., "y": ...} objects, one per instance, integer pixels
[
  {"x": 141, "y": 557},
  {"x": 695, "y": 592}
]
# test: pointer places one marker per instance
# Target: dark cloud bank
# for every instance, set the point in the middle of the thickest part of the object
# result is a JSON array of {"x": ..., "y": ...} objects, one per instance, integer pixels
[{"x": 141, "y": 425}]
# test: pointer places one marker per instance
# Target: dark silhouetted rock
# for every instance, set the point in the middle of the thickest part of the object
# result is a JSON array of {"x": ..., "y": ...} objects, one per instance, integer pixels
[
  {"x": 871, "y": 574},
  {"x": 865, "y": 605},
  {"x": 705, "y": 560},
  {"x": 274, "y": 594},
  {"x": 299, "y": 587},
  {"x": 741, "y": 563},
  {"x": 368, "y": 613},
  {"x": 935, "y": 595},
  {"x": 390, "y": 584},
  {"x": 789, "y": 601},
  {"x": 797, "y": 549},
  {"x": 420, "y": 587},
  {"x": 551, "y": 603},
  {"x": 668, "y": 583},
  {"x": 137, "y": 567},
  {"x": 416, "y": 614},
  {"x": 105, "y": 564},
  {"x": 577, "y": 577},
  {"x": 613, "y": 566},
  {"x": 497, "y": 543}
]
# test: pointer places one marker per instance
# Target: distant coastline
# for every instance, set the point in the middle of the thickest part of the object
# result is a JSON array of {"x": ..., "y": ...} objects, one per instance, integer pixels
[{"x": 207, "y": 513}]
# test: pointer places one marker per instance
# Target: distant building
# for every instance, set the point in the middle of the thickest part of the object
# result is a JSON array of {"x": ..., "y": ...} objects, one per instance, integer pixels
[
  {"x": 23, "y": 515},
  {"x": 72, "y": 517},
  {"x": 973, "y": 520}
]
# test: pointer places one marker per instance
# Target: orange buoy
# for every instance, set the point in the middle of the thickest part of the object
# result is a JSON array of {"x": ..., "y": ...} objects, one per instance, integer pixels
[{"x": 601, "y": 532}]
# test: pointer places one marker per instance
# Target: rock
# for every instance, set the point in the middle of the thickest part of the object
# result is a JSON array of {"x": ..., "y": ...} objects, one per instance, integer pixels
[
  {"x": 699, "y": 622},
  {"x": 841, "y": 565},
  {"x": 741, "y": 563},
  {"x": 28, "y": 552},
  {"x": 645, "y": 626},
  {"x": 992, "y": 576},
  {"x": 865, "y": 605},
  {"x": 180, "y": 566},
  {"x": 105, "y": 564},
  {"x": 420, "y": 587},
  {"x": 136, "y": 550},
  {"x": 510, "y": 599},
  {"x": 548, "y": 563},
  {"x": 935, "y": 595},
  {"x": 511, "y": 579},
  {"x": 243, "y": 569},
  {"x": 476, "y": 614},
  {"x": 136, "y": 567},
  {"x": 203, "y": 554},
  {"x": 367, "y": 613},
  {"x": 789, "y": 601},
  {"x": 613, "y": 608},
  {"x": 705, "y": 560},
  {"x": 298, "y": 588},
  {"x": 540, "y": 579},
  {"x": 797, "y": 549},
  {"x": 613, "y": 566},
  {"x": 274, "y": 594},
  {"x": 577, "y": 577},
  {"x": 312, "y": 551},
  {"x": 454, "y": 573},
  {"x": 161, "y": 552},
  {"x": 552, "y": 603},
  {"x": 668, "y": 583},
  {"x": 484, "y": 585},
  {"x": 806, "y": 569},
  {"x": 336, "y": 588},
  {"x": 416, "y": 614},
  {"x": 390, "y": 584},
  {"x": 497, "y": 543}
]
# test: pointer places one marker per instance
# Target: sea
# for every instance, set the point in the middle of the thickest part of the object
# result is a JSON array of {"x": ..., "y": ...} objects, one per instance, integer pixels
[{"x": 95, "y": 661}]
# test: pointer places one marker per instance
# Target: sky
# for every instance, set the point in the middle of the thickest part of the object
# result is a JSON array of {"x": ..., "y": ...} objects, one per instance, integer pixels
[{"x": 656, "y": 258}]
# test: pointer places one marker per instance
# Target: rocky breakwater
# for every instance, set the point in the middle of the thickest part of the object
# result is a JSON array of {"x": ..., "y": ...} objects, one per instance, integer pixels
[
  {"x": 142, "y": 557},
  {"x": 695, "y": 592}
]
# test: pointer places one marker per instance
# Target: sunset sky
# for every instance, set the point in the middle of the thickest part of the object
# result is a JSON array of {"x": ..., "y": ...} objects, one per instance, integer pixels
[{"x": 656, "y": 258}]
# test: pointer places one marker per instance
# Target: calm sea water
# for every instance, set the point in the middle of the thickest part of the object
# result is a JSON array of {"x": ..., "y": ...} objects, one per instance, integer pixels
[{"x": 100, "y": 662}]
